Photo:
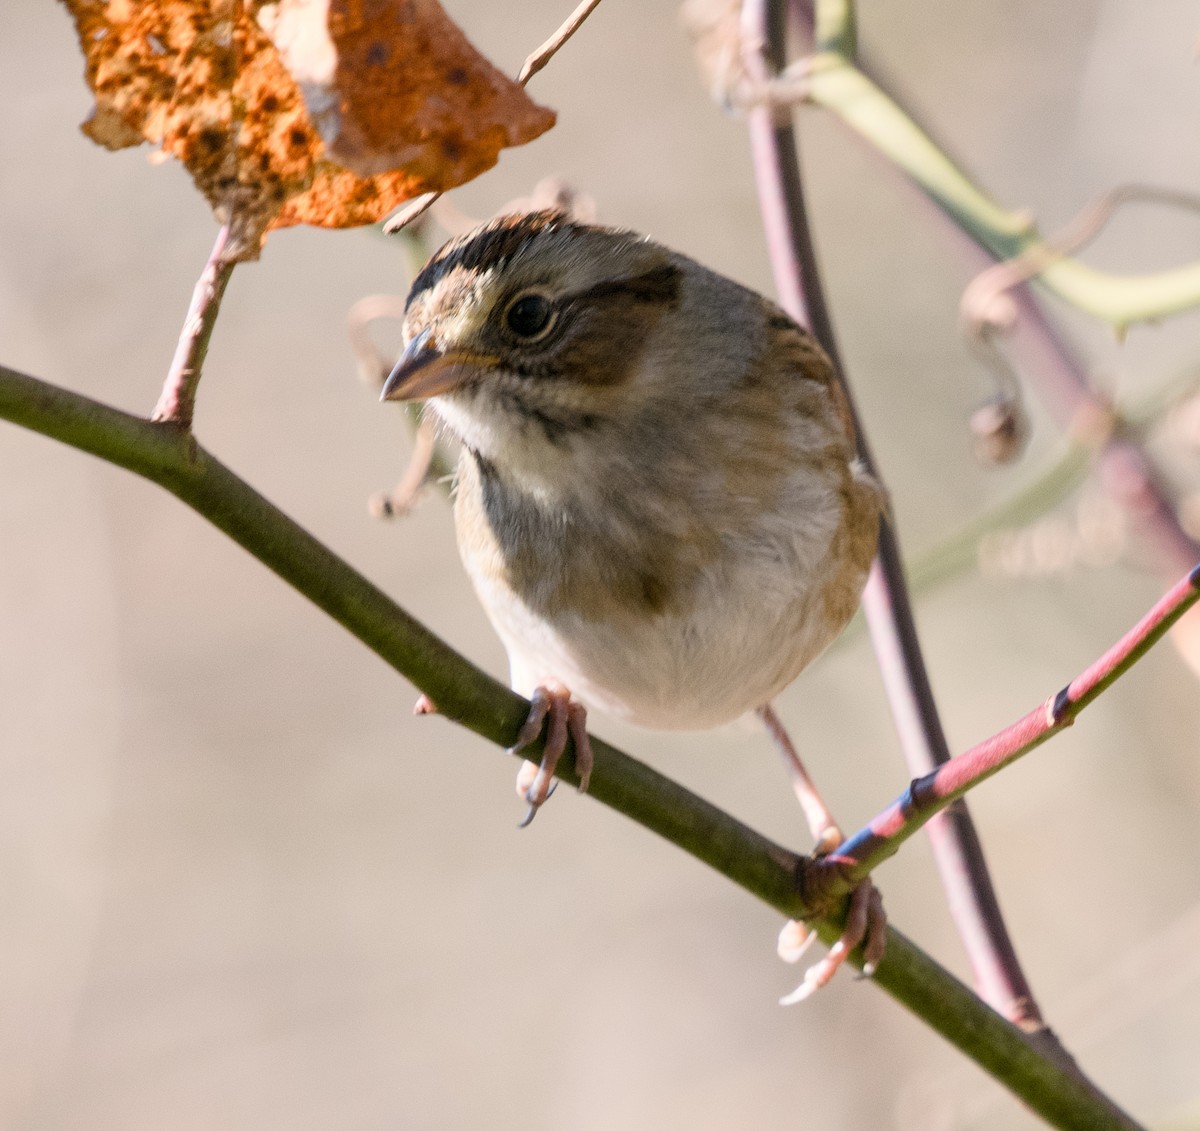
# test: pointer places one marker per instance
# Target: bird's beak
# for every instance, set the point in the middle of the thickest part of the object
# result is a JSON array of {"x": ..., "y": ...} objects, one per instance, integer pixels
[{"x": 424, "y": 370}]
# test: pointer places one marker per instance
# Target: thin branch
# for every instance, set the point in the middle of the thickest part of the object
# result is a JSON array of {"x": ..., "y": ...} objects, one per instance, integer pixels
[
  {"x": 838, "y": 85},
  {"x": 960, "y": 550},
  {"x": 422, "y": 464},
  {"x": 410, "y": 212},
  {"x": 426, "y": 461},
  {"x": 174, "y": 460},
  {"x": 177, "y": 402},
  {"x": 886, "y": 603},
  {"x": 1041, "y": 354},
  {"x": 539, "y": 58},
  {"x": 372, "y": 366},
  {"x": 869, "y": 847},
  {"x": 979, "y": 300},
  {"x": 536, "y": 60},
  {"x": 1124, "y": 471},
  {"x": 963, "y": 548}
]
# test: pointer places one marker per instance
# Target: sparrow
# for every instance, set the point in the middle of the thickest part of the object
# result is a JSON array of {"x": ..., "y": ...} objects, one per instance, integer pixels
[{"x": 658, "y": 499}]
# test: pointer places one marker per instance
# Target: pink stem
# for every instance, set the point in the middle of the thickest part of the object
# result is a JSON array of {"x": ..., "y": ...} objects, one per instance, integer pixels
[
  {"x": 928, "y": 795},
  {"x": 956, "y": 846},
  {"x": 177, "y": 401}
]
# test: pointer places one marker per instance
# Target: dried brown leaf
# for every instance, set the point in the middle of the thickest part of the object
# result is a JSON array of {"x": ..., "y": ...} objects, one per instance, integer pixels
[
  {"x": 368, "y": 83},
  {"x": 393, "y": 86}
]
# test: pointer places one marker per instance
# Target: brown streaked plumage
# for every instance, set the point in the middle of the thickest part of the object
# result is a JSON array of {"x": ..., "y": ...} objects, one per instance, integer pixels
[{"x": 658, "y": 500}]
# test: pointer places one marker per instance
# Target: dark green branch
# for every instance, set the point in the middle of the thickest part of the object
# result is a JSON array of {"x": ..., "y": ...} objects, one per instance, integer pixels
[{"x": 169, "y": 456}]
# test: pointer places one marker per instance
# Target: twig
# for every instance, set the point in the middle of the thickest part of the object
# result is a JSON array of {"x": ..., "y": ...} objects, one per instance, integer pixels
[
  {"x": 401, "y": 498},
  {"x": 1084, "y": 414},
  {"x": 856, "y": 97},
  {"x": 961, "y": 549},
  {"x": 539, "y": 58},
  {"x": 426, "y": 461},
  {"x": 886, "y": 604},
  {"x": 533, "y": 63},
  {"x": 465, "y": 694},
  {"x": 373, "y": 367},
  {"x": 1122, "y": 468},
  {"x": 177, "y": 401},
  {"x": 868, "y": 848},
  {"x": 979, "y": 299},
  {"x": 410, "y": 212}
]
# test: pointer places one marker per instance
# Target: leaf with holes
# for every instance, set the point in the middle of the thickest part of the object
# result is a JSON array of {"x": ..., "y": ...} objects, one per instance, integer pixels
[{"x": 326, "y": 112}]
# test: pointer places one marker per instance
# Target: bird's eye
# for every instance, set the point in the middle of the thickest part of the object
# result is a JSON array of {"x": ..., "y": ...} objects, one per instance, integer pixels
[{"x": 530, "y": 316}]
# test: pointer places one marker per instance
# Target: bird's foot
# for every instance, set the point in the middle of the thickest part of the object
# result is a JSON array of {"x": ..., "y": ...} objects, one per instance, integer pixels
[
  {"x": 552, "y": 707},
  {"x": 866, "y": 924},
  {"x": 866, "y": 920}
]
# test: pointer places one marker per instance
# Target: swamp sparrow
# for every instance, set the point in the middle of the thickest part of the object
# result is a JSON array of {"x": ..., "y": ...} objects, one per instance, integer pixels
[{"x": 658, "y": 499}]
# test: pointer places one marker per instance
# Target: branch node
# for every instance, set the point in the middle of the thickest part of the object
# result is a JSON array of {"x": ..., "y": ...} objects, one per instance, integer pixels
[
  {"x": 910, "y": 800},
  {"x": 1057, "y": 707}
]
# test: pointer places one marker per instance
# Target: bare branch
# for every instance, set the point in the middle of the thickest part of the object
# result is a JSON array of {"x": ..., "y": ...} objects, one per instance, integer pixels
[
  {"x": 534, "y": 63},
  {"x": 981, "y": 306},
  {"x": 177, "y": 402},
  {"x": 403, "y": 497},
  {"x": 539, "y": 58},
  {"x": 886, "y": 602},
  {"x": 373, "y": 367},
  {"x": 410, "y": 212},
  {"x": 928, "y": 795},
  {"x": 463, "y": 693}
]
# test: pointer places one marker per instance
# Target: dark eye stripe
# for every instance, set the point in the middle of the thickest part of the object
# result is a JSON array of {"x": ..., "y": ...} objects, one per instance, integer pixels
[{"x": 659, "y": 284}]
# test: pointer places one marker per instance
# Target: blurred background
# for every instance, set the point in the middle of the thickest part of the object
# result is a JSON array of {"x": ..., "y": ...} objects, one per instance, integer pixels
[{"x": 241, "y": 886}]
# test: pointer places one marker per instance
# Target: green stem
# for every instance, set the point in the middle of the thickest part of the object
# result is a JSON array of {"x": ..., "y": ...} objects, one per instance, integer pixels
[
  {"x": 840, "y": 87},
  {"x": 169, "y": 456},
  {"x": 836, "y": 28}
]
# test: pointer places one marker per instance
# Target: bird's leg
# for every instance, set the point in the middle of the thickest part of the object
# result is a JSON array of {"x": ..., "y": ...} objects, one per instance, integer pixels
[
  {"x": 866, "y": 920},
  {"x": 551, "y": 706},
  {"x": 821, "y": 824}
]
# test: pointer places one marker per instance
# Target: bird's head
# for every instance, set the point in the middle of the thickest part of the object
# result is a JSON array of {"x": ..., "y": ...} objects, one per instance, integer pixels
[{"x": 532, "y": 330}]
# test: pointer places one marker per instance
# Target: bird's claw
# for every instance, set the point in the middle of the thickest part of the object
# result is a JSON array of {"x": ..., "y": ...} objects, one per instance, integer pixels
[
  {"x": 552, "y": 707},
  {"x": 866, "y": 923},
  {"x": 531, "y": 812}
]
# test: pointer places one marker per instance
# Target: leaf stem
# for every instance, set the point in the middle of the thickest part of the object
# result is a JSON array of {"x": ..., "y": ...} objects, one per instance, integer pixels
[{"x": 543, "y": 54}]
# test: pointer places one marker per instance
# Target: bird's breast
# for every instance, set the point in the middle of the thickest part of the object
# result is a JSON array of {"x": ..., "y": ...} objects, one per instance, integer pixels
[{"x": 674, "y": 626}]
